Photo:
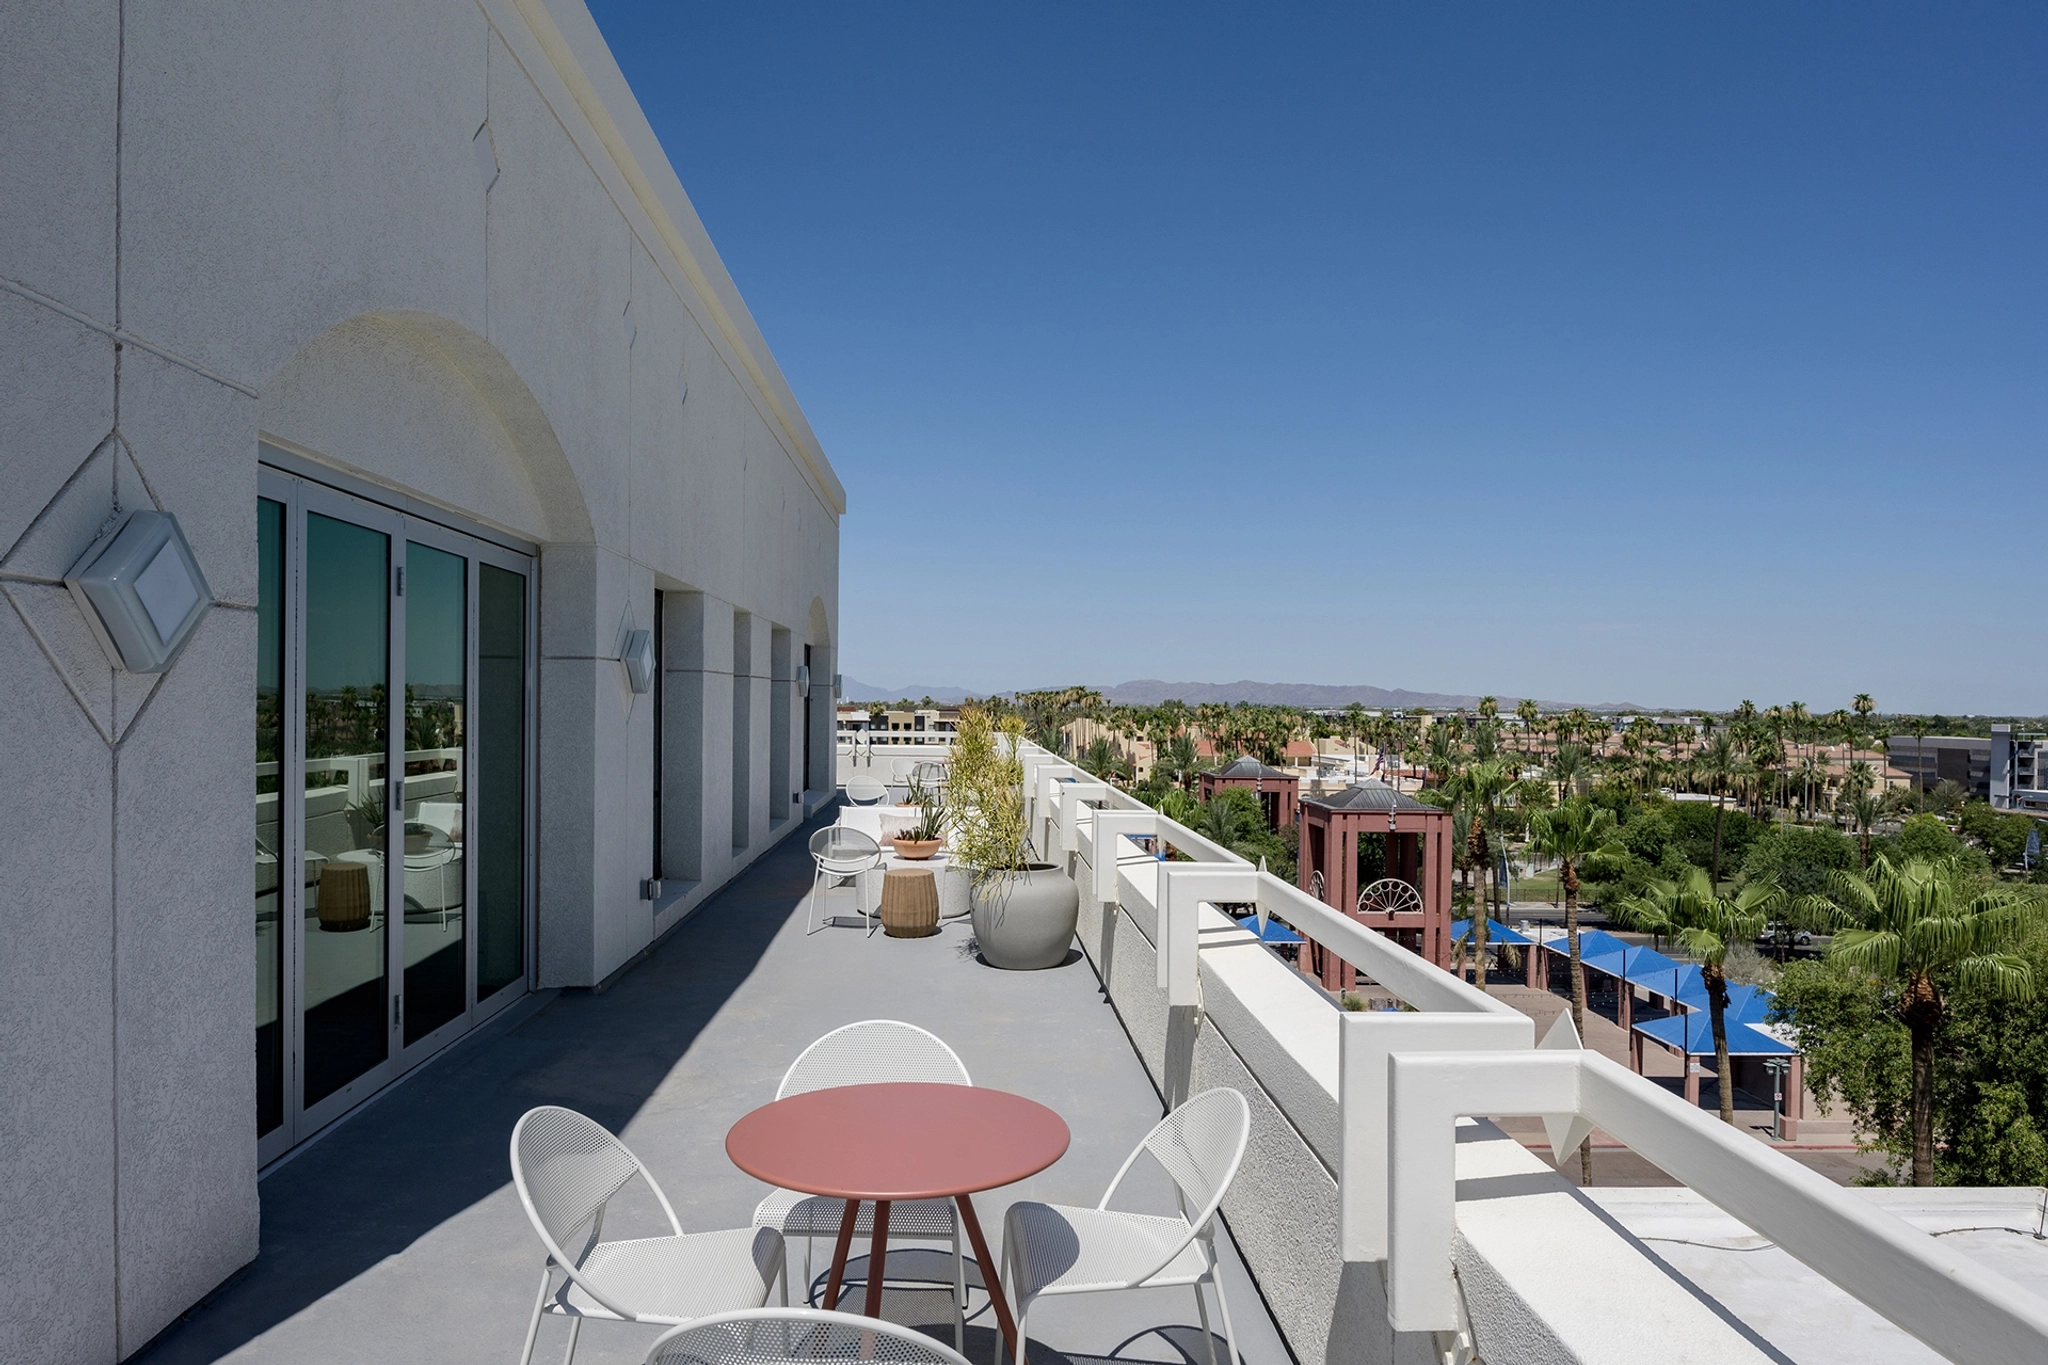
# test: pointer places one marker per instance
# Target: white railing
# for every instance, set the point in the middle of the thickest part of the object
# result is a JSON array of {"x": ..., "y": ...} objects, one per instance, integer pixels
[
  {"x": 1955, "y": 1305},
  {"x": 1405, "y": 1079}
]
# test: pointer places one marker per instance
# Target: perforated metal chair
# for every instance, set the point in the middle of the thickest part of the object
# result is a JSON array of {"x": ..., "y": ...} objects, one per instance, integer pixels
[
  {"x": 567, "y": 1168},
  {"x": 772, "y": 1336},
  {"x": 840, "y": 854},
  {"x": 1060, "y": 1249},
  {"x": 871, "y": 1052},
  {"x": 863, "y": 790}
]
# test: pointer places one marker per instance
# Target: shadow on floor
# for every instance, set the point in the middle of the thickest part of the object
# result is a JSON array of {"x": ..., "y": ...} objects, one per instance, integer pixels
[{"x": 435, "y": 1145}]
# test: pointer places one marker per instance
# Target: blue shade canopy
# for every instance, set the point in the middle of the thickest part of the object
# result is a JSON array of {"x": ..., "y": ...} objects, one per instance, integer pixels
[
  {"x": 1274, "y": 932},
  {"x": 1694, "y": 1031},
  {"x": 1496, "y": 932}
]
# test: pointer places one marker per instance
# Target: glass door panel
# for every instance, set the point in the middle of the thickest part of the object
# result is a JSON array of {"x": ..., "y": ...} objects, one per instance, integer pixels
[
  {"x": 270, "y": 843},
  {"x": 500, "y": 779},
  {"x": 436, "y": 698},
  {"x": 347, "y": 737}
]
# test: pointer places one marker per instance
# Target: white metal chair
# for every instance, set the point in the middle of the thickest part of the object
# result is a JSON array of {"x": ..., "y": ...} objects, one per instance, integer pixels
[
  {"x": 900, "y": 770},
  {"x": 863, "y": 790},
  {"x": 773, "y": 1336},
  {"x": 567, "y": 1168},
  {"x": 841, "y": 854},
  {"x": 1059, "y": 1249},
  {"x": 868, "y": 1053}
]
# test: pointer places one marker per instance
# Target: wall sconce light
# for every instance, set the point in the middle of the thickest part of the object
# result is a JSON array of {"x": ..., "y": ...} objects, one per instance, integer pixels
[
  {"x": 638, "y": 657},
  {"x": 803, "y": 681},
  {"x": 141, "y": 591}
]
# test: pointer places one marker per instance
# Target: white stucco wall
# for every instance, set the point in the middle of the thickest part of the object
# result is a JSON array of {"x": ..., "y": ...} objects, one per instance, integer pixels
[{"x": 247, "y": 222}]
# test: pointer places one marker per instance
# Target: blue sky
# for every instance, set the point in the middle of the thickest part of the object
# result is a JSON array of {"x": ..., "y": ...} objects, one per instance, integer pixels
[{"x": 1594, "y": 353}]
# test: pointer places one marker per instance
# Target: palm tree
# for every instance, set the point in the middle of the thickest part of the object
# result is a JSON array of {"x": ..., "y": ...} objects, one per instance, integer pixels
[
  {"x": 1528, "y": 713},
  {"x": 1717, "y": 761},
  {"x": 1919, "y": 727},
  {"x": 1568, "y": 766},
  {"x": 1477, "y": 791},
  {"x": 1707, "y": 925},
  {"x": 1571, "y": 833},
  {"x": 1913, "y": 931},
  {"x": 1862, "y": 706},
  {"x": 1863, "y": 811}
]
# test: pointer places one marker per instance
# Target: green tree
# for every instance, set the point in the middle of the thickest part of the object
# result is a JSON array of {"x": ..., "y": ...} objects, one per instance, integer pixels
[
  {"x": 1479, "y": 790},
  {"x": 1571, "y": 833},
  {"x": 1569, "y": 765},
  {"x": 1708, "y": 925},
  {"x": 1717, "y": 761},
  {"x": 1917, "y": 926}
]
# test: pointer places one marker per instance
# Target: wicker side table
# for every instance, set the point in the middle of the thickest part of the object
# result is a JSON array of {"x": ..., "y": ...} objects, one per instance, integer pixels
[{"x": 910, "y": 902}]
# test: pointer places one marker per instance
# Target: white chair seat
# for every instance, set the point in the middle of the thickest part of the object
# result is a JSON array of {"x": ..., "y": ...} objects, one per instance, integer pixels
[
  {"x": 674, "y": 1279},
  {"x": 1064, "y": 1249},
  {"x": 811, "y": 1215}
]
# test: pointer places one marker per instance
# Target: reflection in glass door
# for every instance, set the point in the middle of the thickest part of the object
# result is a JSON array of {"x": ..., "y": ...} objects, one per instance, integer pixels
[
  {"x": 393, "y": 890},
  {"x": 501, "y": 760},
  {"x": 347, "y": 730},
  {"x": 436, "y": 701},
  {"x": 270, "y": 842}
]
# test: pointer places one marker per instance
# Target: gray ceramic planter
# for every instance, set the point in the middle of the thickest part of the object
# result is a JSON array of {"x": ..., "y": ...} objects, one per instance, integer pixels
[{"x": 1025, "y": 921}]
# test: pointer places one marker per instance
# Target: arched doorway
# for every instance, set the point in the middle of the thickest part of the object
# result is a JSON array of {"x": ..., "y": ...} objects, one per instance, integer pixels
[{"x": 402, "y": 492}]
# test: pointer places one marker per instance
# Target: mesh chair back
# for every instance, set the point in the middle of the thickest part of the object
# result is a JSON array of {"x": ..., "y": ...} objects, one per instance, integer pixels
[
  {"x": 901, "y": 768},
  {"x": 769, "y": 1336},
  {"x": 566, "y": 1167},
  {"x": 864, "y": 790},
  {"x": 869, "y": 1053},
  {"x": 1201, "y": 1144},
  {"x": 839, "y": 845}
]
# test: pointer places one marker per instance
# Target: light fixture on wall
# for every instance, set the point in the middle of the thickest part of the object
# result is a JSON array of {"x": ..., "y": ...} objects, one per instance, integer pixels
[
  {"x": 638, "y": 657},
  {"x": 803, "y": 681},
  {"x": 141, "y": 591}
]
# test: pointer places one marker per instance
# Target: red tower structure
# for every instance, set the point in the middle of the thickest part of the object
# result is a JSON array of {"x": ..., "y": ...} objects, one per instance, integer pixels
[
  {"x": 1279, "y": 792},
  {"x": 1419, "y": 855}
]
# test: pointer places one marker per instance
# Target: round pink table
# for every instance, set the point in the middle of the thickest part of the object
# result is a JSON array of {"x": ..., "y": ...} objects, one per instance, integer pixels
[{"x": 901, "y": 1140}]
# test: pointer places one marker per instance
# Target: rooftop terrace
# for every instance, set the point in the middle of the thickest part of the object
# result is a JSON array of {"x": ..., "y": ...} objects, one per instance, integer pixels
[
  {"x": 1374, "y": 1219},
  {"x": 398, "y": 1236}
]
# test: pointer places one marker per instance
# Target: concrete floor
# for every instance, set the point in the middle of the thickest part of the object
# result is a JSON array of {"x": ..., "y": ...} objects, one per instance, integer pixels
[{"x": 397, "y": 1237}]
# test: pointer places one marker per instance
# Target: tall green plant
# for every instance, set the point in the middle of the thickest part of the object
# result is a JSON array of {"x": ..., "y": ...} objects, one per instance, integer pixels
[
  {"x": 1707, "y": 925},
  {"x": 1922, "y": 927},
  {"x": 985, "y": 811},
  {"x": 1572, "y": 833}
]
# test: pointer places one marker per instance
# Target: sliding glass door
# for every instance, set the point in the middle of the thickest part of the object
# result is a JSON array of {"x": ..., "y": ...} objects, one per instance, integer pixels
[{"x": 394, "y": 665}]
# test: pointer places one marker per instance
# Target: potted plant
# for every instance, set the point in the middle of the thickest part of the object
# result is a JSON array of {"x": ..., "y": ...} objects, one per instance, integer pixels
[
  {"x": 922, "y": 840},
  {"x": 1024, "y": 912}
]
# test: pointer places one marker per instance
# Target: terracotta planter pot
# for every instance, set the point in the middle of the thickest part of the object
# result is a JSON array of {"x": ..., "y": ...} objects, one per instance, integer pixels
[
  {"x": 1024, "y": 921},
  {"x": 916, "y": 849}
]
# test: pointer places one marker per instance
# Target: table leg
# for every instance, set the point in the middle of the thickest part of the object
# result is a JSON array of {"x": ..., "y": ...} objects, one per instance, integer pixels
[
  {"x": 878, "y": 1251},
  {"x": 839, "y": 1250},
  {"x": 991, "y": 1278}
]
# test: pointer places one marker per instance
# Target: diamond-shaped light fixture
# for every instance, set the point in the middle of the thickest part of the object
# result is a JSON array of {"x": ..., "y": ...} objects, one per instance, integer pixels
[
  {"x": 638, "y": 657},
  {"x": 803, "y": 681},
  {"x": 141, "y": 591}
]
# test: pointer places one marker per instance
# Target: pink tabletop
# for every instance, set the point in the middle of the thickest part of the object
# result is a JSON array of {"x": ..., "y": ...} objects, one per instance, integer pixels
[{"x": 901, "y": 1140}]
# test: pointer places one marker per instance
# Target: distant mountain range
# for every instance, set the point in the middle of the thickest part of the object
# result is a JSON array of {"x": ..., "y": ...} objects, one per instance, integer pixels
[{"x": 1152, "y": 691}]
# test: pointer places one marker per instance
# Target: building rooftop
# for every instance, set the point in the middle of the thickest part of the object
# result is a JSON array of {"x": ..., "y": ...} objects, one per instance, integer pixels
[
  {"x": 398, "y": 1236},
  {"x": 1367, "y": 795},
  {"x": 1245, "y": 766}
]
